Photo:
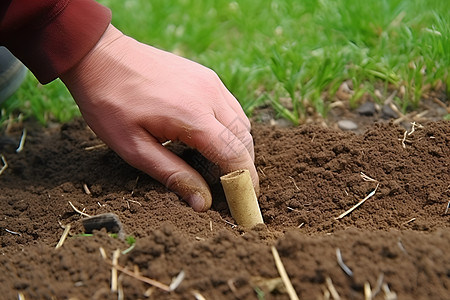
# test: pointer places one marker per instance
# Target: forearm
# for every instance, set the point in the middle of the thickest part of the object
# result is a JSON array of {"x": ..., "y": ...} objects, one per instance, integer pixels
[{"x": 51, "y": 36}]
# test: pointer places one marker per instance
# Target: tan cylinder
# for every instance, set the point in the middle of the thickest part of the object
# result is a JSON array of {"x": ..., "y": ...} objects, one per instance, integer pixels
[{"x": 241, "y": 198}]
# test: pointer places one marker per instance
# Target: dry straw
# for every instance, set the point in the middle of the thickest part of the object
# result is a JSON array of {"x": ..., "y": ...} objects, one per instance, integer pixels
[
  {"x": 357, "y": 204},
  {"x": 22, "y": 141},
  {"x": 5, "y": 164},
  {"x": 284, "y": 276},
  {"x": 63, "y": 236}
]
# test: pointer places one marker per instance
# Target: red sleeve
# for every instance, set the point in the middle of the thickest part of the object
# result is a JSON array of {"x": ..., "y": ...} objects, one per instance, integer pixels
[{"x": 51, "y": 36}]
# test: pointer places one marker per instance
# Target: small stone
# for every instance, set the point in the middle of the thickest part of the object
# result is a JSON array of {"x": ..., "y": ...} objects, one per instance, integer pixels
[
  {"x": 388, "y": 112},
  {"x": 109, "y": 221},
  {"x": 347, "y": 125},
  {"x": 366, "y": 109},
  {"x": 283, "y": 123}
]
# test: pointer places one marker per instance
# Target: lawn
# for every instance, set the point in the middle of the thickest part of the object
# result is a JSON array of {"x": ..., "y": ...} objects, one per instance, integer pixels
[{"x": 293, "y": 55}]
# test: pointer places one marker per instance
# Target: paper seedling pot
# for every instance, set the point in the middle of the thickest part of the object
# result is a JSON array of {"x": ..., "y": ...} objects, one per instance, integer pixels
[{"x": 241, "y": 198}]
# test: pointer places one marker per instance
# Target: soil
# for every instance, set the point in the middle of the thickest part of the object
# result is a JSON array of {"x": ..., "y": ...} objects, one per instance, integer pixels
[{"x": 397, "y": 241}]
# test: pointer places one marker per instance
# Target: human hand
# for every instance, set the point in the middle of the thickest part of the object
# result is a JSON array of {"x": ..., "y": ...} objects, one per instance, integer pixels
[{"x": 134, "y": 97}]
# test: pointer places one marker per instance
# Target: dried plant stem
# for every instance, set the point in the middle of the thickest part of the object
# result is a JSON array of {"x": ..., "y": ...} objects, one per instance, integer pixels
[
  {"x": 332, "y": 289},
  {"x": 115, "y": 261},
  {"x": 22, "y": 141},
  {"x": 103, "y": 253},
  {"x": 95, "y": 147},
  {"x": 135, "y": 185},
  {"x": 414, "y": 125},
  {"x": 135, "y": 274},
  {"x": 367, "y": 178},
  {"x": 63, "y": 236},
  {"x": 166, "y": 143},
  {"x": 177, "y": 281},
  {"x": 284, "y": 276},
  {"x": 120, "y": 293},
  {"x": 12, "y": 232},
  {"x": 409, "y": 221},
  {"x": 326, "y": 294},
  {"x": 5, "y": 164},
  {"x": 293, "y": 181},
  {"x": 78, "y": 211},
  {"x": 341, "y": 263},
  {"x": 388, "y": 294},
  {"x": 150, "y": 281},
  {"x": 404, "y": 139},
  {"x": 229, "y": 223},
  {"x": 377, "y": 288},
  {"x": 358, "y": 204},
  {"x": 86, "y": 189},
  {"x": 198, "y": 296},
  {"x": 367, "y": 291}
]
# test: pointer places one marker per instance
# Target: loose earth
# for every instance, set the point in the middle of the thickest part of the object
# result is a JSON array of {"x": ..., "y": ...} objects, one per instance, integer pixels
[{"x": 396, "y": 241}]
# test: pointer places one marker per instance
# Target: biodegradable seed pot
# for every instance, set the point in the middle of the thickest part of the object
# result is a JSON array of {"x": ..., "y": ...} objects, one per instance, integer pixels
[{"x": 241, "y": 198}]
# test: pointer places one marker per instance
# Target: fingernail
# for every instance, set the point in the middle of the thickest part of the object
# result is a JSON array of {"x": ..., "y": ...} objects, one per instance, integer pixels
[{"x": 196, "y": 202}]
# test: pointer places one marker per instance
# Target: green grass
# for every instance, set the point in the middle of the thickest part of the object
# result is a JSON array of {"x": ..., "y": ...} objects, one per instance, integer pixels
[{"x": 273, "y": 51}]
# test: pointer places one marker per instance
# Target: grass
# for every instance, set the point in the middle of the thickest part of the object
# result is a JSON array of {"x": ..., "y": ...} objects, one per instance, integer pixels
[{"x": 291, "y": 54}]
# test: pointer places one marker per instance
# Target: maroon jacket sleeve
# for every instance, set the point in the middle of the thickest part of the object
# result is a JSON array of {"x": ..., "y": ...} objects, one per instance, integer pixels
[{"x": 51, "y": 36}]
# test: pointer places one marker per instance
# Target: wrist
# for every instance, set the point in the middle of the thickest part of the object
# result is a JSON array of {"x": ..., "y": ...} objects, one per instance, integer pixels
[{"x": 88, "y": 62}]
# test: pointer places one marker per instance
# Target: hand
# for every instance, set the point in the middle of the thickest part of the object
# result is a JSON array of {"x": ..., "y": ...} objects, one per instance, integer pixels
[{"x": 134, "y": 97}]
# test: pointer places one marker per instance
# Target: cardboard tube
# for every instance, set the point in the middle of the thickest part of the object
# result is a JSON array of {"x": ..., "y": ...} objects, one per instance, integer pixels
[{"x": 241, "y": 198}]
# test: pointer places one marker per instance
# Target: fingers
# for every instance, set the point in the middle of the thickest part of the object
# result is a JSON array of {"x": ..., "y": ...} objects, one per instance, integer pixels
[
  {"x": 169, "y": 169},
  {"x": 230, "y": 113},
  {"x": 239, "y": 125},
  {"x": 222, "y": 145}
]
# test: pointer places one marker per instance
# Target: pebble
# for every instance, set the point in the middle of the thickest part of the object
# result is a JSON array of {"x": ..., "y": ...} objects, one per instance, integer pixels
[
  {"x": 109, "y": 221},
  {"x": 366, "y": 109},
  {"x": 388, "y": 113},
  {"x": 347, "y": 125},
  {"x": 282, "y": 123}
]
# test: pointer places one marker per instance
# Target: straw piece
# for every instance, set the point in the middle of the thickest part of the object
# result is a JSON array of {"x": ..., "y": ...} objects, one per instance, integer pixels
[
  {"x": 332, "y": 289},
  {"x": 377, "y": 288},
  {"x": 284, "y": 276},
  {"x": 103, "y": 253},
  {"x": 95, "y": 147},
  {"x": 341, "y": 263},
  {"x": 63, "y": 237},
  {"x": 177, "y": 281},
  {"x": 150, "y": 281},
  {"x": 120, "y": 293},
  {"x": 367, "y": 291},
  {"x": 197, "y": 295},
  {"x": 115, "y": 261},
  {"x": 241, "y": 198},
  {"x": 86, "y": 189},
  {"x": 5, "y": 164},
  {"x": 22, "y": 141},
  {"x": 12, "y": 232},
  {"x": 78, "y": 211},
  {"x": 358, "y": 204}
]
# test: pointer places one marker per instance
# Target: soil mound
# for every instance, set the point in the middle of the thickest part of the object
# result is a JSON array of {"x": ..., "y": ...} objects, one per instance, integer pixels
[{"x": 395, "y": 241}]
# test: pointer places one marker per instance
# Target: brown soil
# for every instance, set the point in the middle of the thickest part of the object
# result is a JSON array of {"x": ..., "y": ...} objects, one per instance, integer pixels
[{"x": 309, "y": 175}]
